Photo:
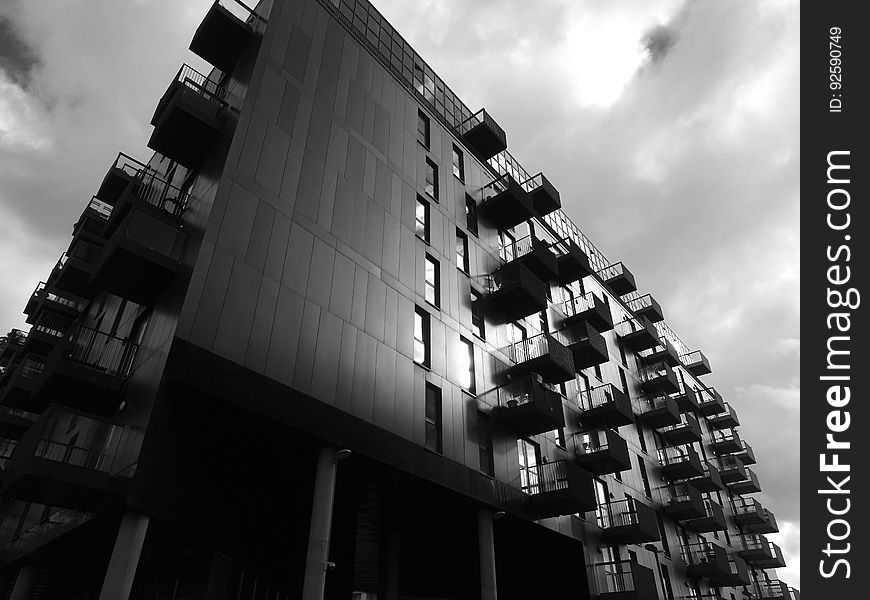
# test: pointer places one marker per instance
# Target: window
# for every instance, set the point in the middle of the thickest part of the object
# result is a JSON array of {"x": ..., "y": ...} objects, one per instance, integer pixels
[
  {"x": 559, "y": 437},
  {"x": 471, "y": 214},
  {"x": 467, "y": 361},
  {"x": 484, "y": 445},
  {"x": 423, "y": 128},
  {"x": 597, "y": 369},
  {"x": 640, "y": 435},
  {"x": 507, "y": 246},
  {"x": 431, "y": 179},
  {"x": 666, "y": 578},
  {"x": 462, "y": 251},
  {"x": 422, "y": 219},
  {"x": 422, "y": 353},
  {"x": 458, "y": 164},
  {"x": 545, "y": 326},
  {"x": 583, "y": 383},
  {"x": 663, "y": 534},
  {"x": 623, "y": 381},
  {"x": 643, "y": 475},
  {"x": 477, "y": 326},
  {"x": 530, "y": 456},
  {"x": 432, "y": 281},
  {"x": 433, "y": 418}
]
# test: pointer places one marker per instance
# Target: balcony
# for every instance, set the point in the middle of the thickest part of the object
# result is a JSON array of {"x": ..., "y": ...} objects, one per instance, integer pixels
[
  {"x": 140, "y": 257},
  {"x": 65, "y": 459},
  {"x": 775, "y": 588},
  {"x": 506, "y": 203},
  {"x": 605, "y": 406},
  {"x": 706, "y": 561},
  {"x": 724, "y": 420},
  {"x": 618, "y": 278},
  {"x": 637, "y": 333},
  {"x": 601, "y": 451},
  {"x": 767, "y": 525},
  {"x": 746, "y": 454},
  {"x": 21, "y": 380},
  {"x": 15, "y": 421},
  {"x": 144, "y": 189},
  {"x": 731, "y": 469},
  {"x": 696, "y": 363},
  {"x": 560, "y": 488},
  {"x": 85, "y": 372},
  {"x": 664, "y": 352},
  {"x": 749, "y": 485},
  {"x": 532, "y": 253},
  {"x": 748, "y": 512},
  {"x": 761, "y": 552},
  {"x": 710, "y": 481},
  {"x": 572, "y": 262},
  {"x": 542, "y": 354},
  {"x": 738, "y": 573},
  {"x": 659, "y": 411},
  {"x": 726, "y": 441},
  {"x": 686, "y": 431},
  {"x": 683, "y": 501},
  {"x": 710, "y": 402},
  {"x": 515, "y": 292},
  {"x": 628, "y": 522},
  {"x": 91, "y": 224},
  {"x": 545, "y": 197},
  {"x": 686, "y": 399},
  {"x": 188, "y": 118},
  {"x": 73, "y": 271},
  {"x": 49, "y": 330},
  {"x": 483, "y": 135},
  {"x": 56, "y": 301},
  {"x": 588, "y": 309},
  {"x": 680, "y": 462},
  {"x": 658, "y": 379},
  {"x": 223, "y": 34},
  {"x": 713, "y": 519},
  {"x": 589, "y": 348},
  {"x": 624, "y": 580},
  {"x": 527, "y": 406},
  {"x": 646, "y": 306}
]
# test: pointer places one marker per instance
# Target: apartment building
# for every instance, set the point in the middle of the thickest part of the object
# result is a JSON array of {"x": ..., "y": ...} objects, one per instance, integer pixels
[{"x": 331, "y": 340}]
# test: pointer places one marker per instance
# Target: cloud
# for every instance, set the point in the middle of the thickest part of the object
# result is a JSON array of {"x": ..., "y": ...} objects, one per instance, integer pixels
[
  {"x": 789, "y": 540},
  {"x": 17, "y": 57}
]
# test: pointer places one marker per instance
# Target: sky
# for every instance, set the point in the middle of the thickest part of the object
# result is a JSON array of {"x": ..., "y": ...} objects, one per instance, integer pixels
[{"x": 670, "y": 127}]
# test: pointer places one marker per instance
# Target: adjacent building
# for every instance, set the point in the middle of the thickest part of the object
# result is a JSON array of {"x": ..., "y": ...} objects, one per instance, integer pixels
[{"x": 332, "y": 340}]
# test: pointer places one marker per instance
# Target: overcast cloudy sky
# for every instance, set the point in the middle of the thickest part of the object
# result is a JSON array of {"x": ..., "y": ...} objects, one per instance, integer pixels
[{"x": 670, "y": 127}]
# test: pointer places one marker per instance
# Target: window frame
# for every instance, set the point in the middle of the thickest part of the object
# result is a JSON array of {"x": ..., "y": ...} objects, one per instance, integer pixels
[
  {"x": 435, "y": 284},
  {"x": 434, "y": 418},
  {"x": 463, "y": 261},
  {"x": 423, "y": 336},
  {"x": 458, "y": 158},
  {"x": 426, "y": 223},
  {"x": 424, "y": 136},
  {"x": 431, "y": 187}
]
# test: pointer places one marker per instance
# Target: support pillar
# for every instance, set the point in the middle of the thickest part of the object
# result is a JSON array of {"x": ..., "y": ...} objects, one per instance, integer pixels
[
  {"x": 27, "y": 576},
  {"x": 125, "y": 557},
  {"x": 486, "y": 545},
  {"x": 321, "y": 523}
]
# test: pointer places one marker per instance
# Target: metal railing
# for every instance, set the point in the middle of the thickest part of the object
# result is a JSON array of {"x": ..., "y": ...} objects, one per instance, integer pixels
[
  {"x": 598, "y": 396},
  {"x": 687, "y": 421},
  {"x": 151, "y": 188},
  {"x": 674, "y": 455},
  {"x": 516, "y": 392},
  {"x": 481, "y": 117},
  {"x": 654, "y": 371},
  {"x": 724, "y": 435},
  {"x": 63, "y": 298},
  {"x": 578, "y": 305},
  {"x": 611, "y": 271},
  {"x": 79, "y": 441},
  {"x": 618, "y": 513},
  {"x": 645, "y": 301},
  {"x": 589, "y": 442},
  {"x": 746, "y": 506},
  {"x": 101, "y": 352},
  {"x": 613, "y": 577},
  {"x": 530, "y": 348},
  {"x": 240, "y": 10},
  {"x": 520, "y": 247},
  {"x": 201, "y": 84},
  {"x": 533, "y": 183},
  {"x": 545, "y": 477},
  {"x": 53, "y": 324},
  {"x": 690, "y": 358}
]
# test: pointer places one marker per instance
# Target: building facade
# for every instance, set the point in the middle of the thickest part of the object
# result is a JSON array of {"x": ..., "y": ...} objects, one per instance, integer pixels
[{"x": 332, "y": 340}]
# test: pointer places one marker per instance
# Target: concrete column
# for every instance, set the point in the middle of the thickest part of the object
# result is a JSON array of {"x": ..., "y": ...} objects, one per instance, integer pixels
[
  {"x": 125, "y": 557},
  {"x": 321, "y": 524},
  {"x": 486, "y": 543},
  {"x": 390, "y": 567},
  {"x": 27, "y": 576}
]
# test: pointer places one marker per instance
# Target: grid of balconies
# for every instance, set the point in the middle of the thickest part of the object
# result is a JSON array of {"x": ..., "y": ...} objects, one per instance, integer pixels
[
  {"x": 601, "y": 451},
  {"x": 527, "y": 406},
  {"x": 628, "y": 521},
  {"x": 605, "y": 406}
]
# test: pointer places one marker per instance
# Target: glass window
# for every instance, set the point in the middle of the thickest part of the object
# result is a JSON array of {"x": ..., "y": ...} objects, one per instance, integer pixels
[
  {"x": 432, "y": 281},
  {"x": 421, "y": 337},
  {"x": 462, "y": 251},
  {"x": 471, "y": 214},
  {"x": 466, "y": 376},
  {"x": 559, "y": 436},
  {"x": 423, "y": 128},
  {"x": 477, "y": 326},
  {"x": 422, "y": 219},
  {"x": 433, "y": 418},
  {"x": 529, "y": 455},
  {"x": 431, "y": 179},
  {"x": 458, "y": 163}
]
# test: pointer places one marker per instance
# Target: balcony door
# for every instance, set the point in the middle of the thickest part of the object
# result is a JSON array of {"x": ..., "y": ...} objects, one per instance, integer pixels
[{"x": 529, "y": 459}]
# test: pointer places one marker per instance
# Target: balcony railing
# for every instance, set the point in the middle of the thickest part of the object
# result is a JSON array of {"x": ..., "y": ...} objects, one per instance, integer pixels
[
  {"x": 706, "y": 560},
  {"x": 601, "y": 451},
  {"x": 590, "y": 309},
  {"x": 559, "y": 488},
  {"x": 618, "y": 278},
  {"x": 543, "y": 354},
  {"x": 483, "y": 134},
  {"x": 58, "y": 299},
  {"x": 545, "y": 197},
  {"x": 680, "y": 462},
  {"x": 624, "y": 580},
  {"x": 658, "y": 378},
  {"x": 637, "y": 333},
  {"x": 647, "y": 306},
  {"x": 725, "y": 441},
  {"x": 628, "y": 521},
  {"x": 527, "y": 405},
  {"x": 710, "y": 402},
  {"x": 683, "y": 501},
  {"x": 150, "y": 188},
  {"x": 101, "y": 351},
  {"x": 535, "y": 254},
  {"x": 748, "y": 485},
  {"x": 686, "y": 431},
  {"x": 696, "y": 362},
  {"x": 774, "y": 588},
  {"x": 663, "y": 352},
  {"x": 761, "y": 552},
  {"x": 712, "y": 520},
  {"x": 605, "y": 406},
  {"x": 658, "y": 411},
  {"x": 710, "y": 480}
]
